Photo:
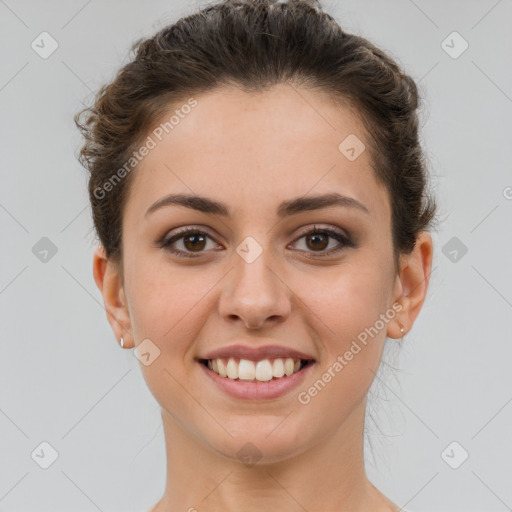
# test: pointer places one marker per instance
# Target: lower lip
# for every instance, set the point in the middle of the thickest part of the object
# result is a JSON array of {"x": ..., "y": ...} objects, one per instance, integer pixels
[{"x": 255, "y": 390}]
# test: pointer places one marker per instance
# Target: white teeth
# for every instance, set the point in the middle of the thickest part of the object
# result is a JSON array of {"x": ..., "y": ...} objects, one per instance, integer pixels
[
  {"x": 246, "y": 370},
  {"x": 232, "y": 369},
  {"x": 278, "y": 368},
  {"x": 288, "y": 366},
  {"x": 263, "y": 371},
  {"x": 221, "y": 368}
]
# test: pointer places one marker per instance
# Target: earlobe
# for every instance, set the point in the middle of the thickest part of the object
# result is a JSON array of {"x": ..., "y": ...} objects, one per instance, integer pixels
[
  {"x": 108, "y": 281},
  {"x": 412, "y": 284}
]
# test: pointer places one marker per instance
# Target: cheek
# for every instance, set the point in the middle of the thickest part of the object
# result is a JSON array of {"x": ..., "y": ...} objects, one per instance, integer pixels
[
  {"x": 168, "y": 306},
  {"x": 166, "y": 302},
  {"x": 348, "y": 309},
  {"x": 351, "y": 331},
  {"x": 349, "y": 299}
]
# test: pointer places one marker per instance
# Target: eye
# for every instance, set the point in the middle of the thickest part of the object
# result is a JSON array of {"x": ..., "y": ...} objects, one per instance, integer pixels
[
  {"x": 317, "y": 239},
  {"x": 193, "y": 240}
]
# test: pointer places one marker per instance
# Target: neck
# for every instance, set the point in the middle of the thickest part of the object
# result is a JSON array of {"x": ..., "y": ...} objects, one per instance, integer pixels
[{"x": 327, "y": 476}]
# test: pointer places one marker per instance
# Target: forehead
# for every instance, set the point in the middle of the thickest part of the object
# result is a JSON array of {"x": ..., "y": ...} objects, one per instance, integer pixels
[{"x": 243, "y": 147}]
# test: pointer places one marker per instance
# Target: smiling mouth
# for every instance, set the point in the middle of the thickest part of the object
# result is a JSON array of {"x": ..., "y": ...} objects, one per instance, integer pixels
[{"x": 256, "y": 371}]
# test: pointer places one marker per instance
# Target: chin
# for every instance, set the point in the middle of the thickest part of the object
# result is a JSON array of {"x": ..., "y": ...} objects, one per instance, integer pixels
[{"x": 260, "y": 442}]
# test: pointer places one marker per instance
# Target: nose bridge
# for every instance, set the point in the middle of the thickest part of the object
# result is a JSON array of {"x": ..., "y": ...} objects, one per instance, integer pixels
[{"x": 254, "y": 291}]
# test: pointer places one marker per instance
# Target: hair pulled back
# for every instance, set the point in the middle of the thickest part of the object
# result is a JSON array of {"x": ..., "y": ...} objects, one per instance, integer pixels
[{"x": 255, "y": 44}]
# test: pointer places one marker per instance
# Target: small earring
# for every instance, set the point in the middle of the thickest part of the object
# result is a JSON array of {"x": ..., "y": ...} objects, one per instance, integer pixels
[
  {"x": 122, "y": 342},
  {"x": 402, "y": 329}
]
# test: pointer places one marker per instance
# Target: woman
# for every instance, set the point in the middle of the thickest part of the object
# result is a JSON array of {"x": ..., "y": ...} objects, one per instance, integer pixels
[{"x": 259, "y": 192}]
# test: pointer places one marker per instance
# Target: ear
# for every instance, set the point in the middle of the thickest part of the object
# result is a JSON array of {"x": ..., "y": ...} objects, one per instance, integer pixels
[
  {"x": 109, "y": 282},
  {"x": 411, "y": 284}
]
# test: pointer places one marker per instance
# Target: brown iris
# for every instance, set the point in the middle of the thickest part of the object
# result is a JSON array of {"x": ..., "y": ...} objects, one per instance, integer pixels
[
  {"x": 317, "y": 236},
  {"x": 196, "y": 237}
]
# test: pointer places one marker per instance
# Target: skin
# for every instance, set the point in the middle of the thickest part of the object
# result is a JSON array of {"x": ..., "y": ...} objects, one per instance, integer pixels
[{"x": 252, "y": 151}]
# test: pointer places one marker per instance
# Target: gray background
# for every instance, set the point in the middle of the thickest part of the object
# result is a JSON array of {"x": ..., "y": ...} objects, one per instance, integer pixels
[{"x": 63, "y": 377}]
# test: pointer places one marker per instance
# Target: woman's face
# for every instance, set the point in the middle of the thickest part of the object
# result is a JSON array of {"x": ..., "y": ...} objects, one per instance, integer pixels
[{"x": 255, "y": 277}]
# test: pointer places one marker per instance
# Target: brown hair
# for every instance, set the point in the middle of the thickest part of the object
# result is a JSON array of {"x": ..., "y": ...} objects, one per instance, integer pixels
[{"x": 255, "y": 44}]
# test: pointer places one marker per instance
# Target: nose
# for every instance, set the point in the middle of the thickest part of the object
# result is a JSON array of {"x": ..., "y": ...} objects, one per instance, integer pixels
[{"x": 255, "y": 294}]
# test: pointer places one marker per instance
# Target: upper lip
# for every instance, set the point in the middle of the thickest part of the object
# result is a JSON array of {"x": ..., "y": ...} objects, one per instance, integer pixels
[{"x": 256, "y": 354}]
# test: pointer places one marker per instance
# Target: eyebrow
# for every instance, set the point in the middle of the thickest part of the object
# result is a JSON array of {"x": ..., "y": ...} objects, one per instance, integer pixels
[{"x": 286, "y": 208}]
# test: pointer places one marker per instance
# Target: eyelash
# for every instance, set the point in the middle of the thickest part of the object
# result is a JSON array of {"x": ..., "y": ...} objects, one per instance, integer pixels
[{"x": 167, "y": 244}]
